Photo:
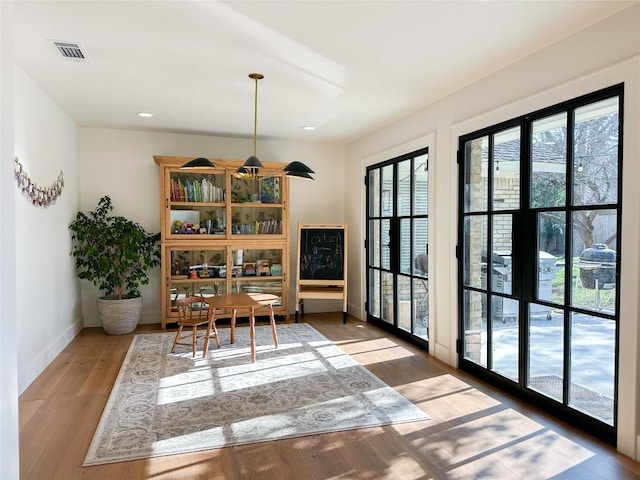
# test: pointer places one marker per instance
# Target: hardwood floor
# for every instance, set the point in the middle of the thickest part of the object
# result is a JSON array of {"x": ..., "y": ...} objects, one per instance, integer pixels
[{"x": 475, "y": 431}]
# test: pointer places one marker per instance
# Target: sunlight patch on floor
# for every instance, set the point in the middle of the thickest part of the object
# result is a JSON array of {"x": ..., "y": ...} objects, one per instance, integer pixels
[{"x": 497, "y": 442}]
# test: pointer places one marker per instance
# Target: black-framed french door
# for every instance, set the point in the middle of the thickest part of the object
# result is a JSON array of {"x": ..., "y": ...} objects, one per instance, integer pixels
[
  {"x": 539, "y": 256},
  {"x": 397, "y": 245}
]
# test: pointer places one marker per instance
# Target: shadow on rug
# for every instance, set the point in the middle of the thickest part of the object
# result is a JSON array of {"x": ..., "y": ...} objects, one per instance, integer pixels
[{"x": 164, "y": 403}]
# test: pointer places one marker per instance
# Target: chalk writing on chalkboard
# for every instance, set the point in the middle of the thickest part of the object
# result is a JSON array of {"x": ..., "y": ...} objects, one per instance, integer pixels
[{"x": 322, "y": 253}]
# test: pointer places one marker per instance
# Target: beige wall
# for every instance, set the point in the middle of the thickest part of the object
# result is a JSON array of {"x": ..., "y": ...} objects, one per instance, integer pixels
[
  {"x": 120, "y": 163},
  {"x": 47, "y": 308},
  {"x": 554, "y": 74},
  {"x": 9, "y": 441}
]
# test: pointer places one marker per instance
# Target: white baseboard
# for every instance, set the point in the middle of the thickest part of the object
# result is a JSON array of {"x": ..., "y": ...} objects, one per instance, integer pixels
[{"x": 36, "y": 365}]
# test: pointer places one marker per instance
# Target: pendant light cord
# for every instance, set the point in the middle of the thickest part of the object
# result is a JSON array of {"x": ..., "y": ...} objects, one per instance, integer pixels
[
  {"x": 256, "y": 77},
  {"x": 255, "y": 118}
]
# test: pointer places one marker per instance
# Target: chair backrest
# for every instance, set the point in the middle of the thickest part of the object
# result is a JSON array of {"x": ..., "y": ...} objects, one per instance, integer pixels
[{"x": 190, "y": 308}]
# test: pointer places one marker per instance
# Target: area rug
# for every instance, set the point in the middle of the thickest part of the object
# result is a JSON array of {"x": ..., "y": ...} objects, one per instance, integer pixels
[{"x": 164, "y": 403}]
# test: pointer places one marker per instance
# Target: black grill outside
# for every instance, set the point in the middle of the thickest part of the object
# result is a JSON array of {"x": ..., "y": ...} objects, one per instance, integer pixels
[{"x": 597, "y": 263}]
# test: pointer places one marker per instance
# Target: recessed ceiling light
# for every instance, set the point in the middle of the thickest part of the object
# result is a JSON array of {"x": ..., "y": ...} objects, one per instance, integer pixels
[
  {"x": 309, "y": 128},
  {"x": 145, "y": 114}
]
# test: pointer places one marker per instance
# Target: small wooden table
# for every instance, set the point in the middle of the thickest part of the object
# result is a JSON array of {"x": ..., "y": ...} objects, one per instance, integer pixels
[{"x": 250, "y": 302}]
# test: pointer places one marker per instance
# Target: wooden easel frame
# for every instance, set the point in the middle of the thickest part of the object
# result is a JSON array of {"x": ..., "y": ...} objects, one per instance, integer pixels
[{"x": 321, "y": 289}]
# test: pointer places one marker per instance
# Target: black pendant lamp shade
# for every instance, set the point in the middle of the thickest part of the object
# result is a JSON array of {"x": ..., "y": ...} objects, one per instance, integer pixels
[
  {"x": 252, "y": 162},
  {"x": 199, "y": 162},
  {"x": 297, "y": 167},
  {"x": 304, "y": 175}
]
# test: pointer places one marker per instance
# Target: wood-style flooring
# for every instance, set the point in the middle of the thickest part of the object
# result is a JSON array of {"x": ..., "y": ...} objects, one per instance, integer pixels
[{"x": 476, "y": 431}]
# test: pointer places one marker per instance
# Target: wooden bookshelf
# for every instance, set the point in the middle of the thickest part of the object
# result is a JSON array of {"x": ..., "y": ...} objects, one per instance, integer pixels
[{"x": 214, "y": 224}]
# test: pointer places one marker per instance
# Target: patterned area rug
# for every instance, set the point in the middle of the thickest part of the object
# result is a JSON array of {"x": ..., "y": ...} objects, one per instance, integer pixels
[{"x": 164, "y": 404}]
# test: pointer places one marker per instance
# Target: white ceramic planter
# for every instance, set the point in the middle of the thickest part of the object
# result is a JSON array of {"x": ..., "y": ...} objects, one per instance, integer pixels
[{"x": 119, "y": 316}]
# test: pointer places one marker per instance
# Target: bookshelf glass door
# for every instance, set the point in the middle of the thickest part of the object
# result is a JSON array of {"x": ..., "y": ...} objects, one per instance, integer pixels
[
  {"x": 256, "y": 206},
  {"x": 195, "y": 271},
  {"x": 257, "y": 270},
  {"x": 196, "y": 204}
]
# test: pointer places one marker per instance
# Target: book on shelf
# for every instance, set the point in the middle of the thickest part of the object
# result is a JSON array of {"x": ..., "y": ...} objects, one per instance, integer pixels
[
  {"x": 192, "y": 190},
  {"x": 189, "y": 188},
  {"x": 178, "y": 191},
  {"x": 258, "y": 228}
]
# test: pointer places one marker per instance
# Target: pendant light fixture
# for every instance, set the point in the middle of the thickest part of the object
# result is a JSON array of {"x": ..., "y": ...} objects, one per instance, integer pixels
[{"x": 253, "y": 164}]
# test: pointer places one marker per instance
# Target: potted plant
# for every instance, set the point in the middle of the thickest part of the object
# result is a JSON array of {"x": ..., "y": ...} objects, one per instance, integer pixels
[{"x": 115, "y": 254}]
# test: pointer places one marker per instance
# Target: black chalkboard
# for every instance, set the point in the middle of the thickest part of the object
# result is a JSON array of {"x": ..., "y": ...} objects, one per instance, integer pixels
[{"x": 321, "y": 253}]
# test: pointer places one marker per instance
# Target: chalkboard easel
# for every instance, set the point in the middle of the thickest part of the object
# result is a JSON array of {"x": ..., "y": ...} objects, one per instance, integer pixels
[{"x": 322, "y": 265}]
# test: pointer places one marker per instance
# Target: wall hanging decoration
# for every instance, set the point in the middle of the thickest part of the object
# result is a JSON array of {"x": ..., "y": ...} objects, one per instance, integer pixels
[{"x": 40, "y": 196}]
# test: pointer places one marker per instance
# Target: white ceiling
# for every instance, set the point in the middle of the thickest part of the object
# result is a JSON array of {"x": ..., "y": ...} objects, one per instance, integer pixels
[{"x": 345, "y": 67}]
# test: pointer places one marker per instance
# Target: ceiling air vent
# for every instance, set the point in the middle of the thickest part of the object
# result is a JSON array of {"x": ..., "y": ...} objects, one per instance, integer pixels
[{"x": 70, "y": 51}]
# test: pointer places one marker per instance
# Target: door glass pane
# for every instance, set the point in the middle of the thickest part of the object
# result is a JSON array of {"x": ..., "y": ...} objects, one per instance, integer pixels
[
  {"x": 387, "y": 191},
  {"x": 386, "y": 238},
  {"x": 505, "y": 336},
  {"x": 404, "y": 188},
  {"x": 420, "y": 185},
  {"x": 404, "y": 303},
  {"x": 596, "y": 153},
  {"x": 546, "y": 352},
  {"x": 506, "y": 170},
  {"x": 420, "y": 241},
  {"x": 551, "y": 256},
  {"x": 374, "y": 193},
  {"x": 475, "y": 327},
  {"x": 388, "y": 300},
  {"x": 475, "y": 248},
  {"x": 546, "y": 275},
  {"x": 405, "y": 245},
  {"x": 595, "y": 285},
  {"x": 593, "y": 349},
  {"x": 549, "y": 161},
  {"x": 375, "y": 300},
  {"x": 374, "y": 243},
  {"x": 475, "y": 181},
  {"x": 421, "y": 307},
  {"x": 502, "y": 247}
]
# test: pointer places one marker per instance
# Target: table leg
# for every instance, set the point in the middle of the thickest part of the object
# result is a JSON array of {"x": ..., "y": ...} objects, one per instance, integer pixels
[
  {"x": 233, "y": 325},
  {"x": 252, "y": 334},
  {"x": 274, "y": 334}
]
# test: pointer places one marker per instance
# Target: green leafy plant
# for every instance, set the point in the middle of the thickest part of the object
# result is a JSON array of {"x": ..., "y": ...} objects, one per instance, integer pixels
[{"x": 112, "y": 252}]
